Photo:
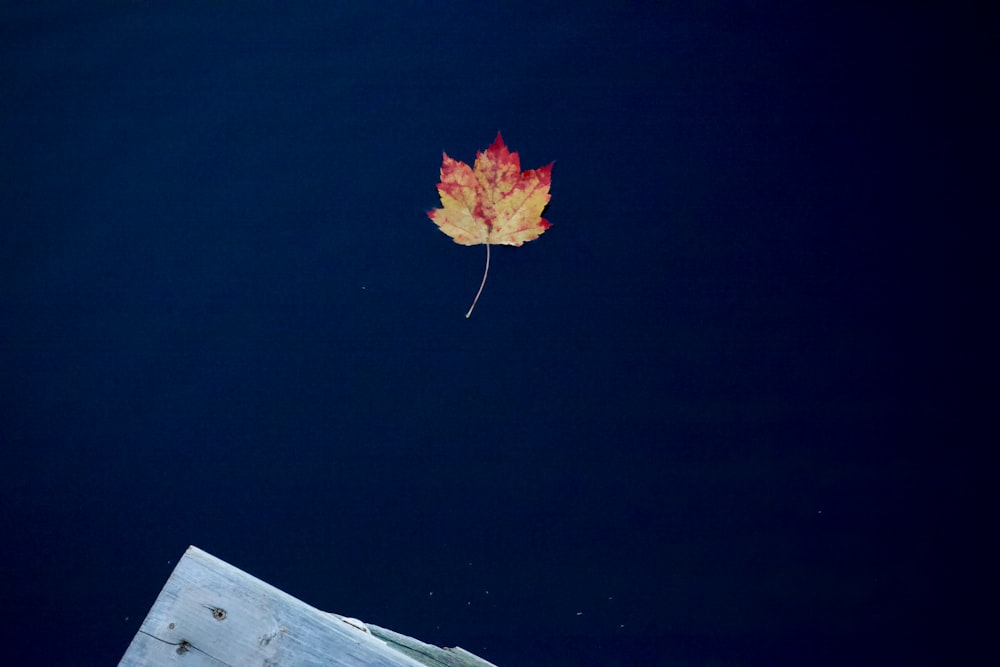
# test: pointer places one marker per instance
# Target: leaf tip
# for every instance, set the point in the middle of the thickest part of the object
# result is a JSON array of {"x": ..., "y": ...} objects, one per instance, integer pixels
[{"x": 497, "y": 143}]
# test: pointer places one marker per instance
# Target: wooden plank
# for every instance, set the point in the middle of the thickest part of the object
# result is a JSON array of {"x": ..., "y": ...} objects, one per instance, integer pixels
[
  {"x": 428, "y": 654},
  {"x": 211, "y": 613}
]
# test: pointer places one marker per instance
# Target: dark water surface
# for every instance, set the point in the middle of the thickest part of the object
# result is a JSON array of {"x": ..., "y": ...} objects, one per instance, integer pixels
[{"x": 732, "y": 409}]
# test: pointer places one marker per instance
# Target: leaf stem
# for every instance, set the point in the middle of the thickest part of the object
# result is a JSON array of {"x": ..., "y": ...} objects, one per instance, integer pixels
[{"x": 482, "y": 284}]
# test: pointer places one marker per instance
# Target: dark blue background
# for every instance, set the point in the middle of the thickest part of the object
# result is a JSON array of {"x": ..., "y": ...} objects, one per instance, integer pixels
[{"x": 731, "y": 409}]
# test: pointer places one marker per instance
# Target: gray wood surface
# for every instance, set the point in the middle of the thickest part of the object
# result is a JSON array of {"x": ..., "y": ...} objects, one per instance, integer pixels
[
  {"x": 428, "y": 654},
  {"x": 211, "y": 613}
]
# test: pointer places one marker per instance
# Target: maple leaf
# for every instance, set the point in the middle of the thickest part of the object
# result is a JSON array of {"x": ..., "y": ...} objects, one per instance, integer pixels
[{"x": 493, "y": 202}]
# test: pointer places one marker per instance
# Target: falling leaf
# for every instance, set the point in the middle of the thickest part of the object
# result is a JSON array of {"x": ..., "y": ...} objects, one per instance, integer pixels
[{"x": 492, "y": 202}]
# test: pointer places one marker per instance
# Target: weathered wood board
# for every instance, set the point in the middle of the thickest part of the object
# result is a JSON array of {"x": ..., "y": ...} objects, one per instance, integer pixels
[
  {"x": 428, "y": 654},
  {"x": 211, "y": 613}
]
